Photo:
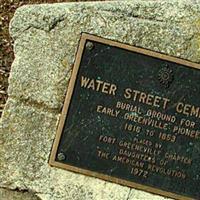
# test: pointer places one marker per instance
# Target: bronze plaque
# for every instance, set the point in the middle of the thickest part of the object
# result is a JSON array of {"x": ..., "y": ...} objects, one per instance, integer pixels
[{"x": 132, "y": 116}]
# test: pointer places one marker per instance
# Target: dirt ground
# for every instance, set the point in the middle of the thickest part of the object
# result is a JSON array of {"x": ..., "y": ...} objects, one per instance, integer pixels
[{"x": 7, "y": 9}]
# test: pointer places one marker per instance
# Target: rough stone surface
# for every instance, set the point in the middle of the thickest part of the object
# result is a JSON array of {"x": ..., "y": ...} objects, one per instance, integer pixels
[
  {"x": 46, "y": 38},
  {"x": 16, "y": 195}
]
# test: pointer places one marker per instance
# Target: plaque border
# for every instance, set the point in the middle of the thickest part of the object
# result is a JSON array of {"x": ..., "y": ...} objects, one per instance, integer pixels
[{"x": 52, "y": 159}]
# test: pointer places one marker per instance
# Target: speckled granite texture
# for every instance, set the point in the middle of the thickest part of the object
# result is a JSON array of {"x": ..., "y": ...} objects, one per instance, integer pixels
[
  {"x": 46, "y": 39},
  {"x": 16, "y": 195}
]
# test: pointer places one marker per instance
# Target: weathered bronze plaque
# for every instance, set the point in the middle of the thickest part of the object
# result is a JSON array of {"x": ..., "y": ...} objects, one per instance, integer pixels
[{"x": 132, "y": 116}]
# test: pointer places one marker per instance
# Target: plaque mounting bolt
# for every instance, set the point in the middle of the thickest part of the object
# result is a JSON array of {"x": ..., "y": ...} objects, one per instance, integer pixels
[
  {"x": 61, "y": 156},
  {"x": 89, "y": 45}
]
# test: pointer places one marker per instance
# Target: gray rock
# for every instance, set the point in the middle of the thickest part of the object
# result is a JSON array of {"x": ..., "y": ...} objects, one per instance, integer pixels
[
  {"x": 46, "y": 39},
  {"x": 16, "y": 195}
]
